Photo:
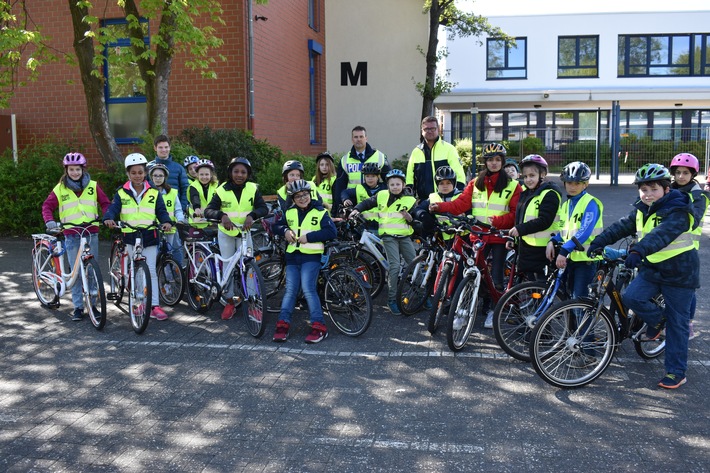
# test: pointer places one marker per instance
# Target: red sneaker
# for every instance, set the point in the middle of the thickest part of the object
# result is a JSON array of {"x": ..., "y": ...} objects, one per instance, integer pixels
[
  {"x": 318, "y": 333},
  {"x": 228, "y": 312},
  {"x": 281, "y": 333}
]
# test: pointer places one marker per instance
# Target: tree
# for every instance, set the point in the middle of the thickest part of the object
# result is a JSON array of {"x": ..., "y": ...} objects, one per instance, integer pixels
[
  {"x": 456, "y": 23},
  {"x": 20, "y": 37},
  {"x": 182, "y": 27}
]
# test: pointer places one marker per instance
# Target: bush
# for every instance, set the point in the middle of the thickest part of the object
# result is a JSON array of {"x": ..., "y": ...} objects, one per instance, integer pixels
[
  {"x": 23, "y": 187},
  {"x": 463, "y": 147},
  {"x": 531, "y": 145},
  {"x": 223, "y": 145},
  {"x": 269, "y": 177}
]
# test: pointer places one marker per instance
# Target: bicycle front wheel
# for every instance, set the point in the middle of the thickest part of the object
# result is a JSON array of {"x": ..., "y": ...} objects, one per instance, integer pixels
[
  {"x": 44, "y": 273},
  {"x": 171, "y": 283},
  {"x": 571, "y": 346},
  {"x": 140, "y": 296},
  {"x": 274, "y": 274},
  {"x": 200, "y": 278},
  {"x": 439, "y": 300},
  {"x": 462, "y": 315},
  {"x": 347, "y": 302},
  {"x": 253, "y": 305},
  {"x": 117, "y": 283},
  {"x": 416, "y": 284},
  {"x": 94, "y": 294},
  {"x": 515, "y": 315}
]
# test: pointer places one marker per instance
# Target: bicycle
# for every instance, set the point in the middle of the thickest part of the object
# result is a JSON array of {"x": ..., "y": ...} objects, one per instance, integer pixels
[
  {"x": 448, "y": 275},
  {"x": 132, "y": 273},
  {"x": 573, "y": 343},
  {"x": 209, "y": 274},
  {"x": 417, "y": 281},
  {"x": 170, "y": 275},
  {"x": 476, "y": 274},
  {"x": 50, "y": 279}
]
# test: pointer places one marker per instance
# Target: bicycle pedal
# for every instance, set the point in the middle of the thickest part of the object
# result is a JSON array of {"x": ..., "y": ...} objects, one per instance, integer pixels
[{"x": 112, "y": 296}]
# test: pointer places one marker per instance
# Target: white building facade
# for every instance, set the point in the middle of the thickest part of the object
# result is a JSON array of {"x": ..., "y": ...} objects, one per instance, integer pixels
[{"x": 562, "y": 79}]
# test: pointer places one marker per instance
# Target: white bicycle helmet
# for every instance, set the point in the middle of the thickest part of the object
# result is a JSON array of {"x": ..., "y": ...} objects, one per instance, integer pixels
[{"x": 133, "y": 159}]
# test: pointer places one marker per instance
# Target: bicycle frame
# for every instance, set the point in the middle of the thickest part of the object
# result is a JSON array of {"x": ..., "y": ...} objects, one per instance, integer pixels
[{"x": 61, "y": 280}]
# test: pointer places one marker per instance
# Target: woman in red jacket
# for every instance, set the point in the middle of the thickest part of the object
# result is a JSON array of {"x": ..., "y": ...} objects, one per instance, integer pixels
[{"x": 492, "y": 198}]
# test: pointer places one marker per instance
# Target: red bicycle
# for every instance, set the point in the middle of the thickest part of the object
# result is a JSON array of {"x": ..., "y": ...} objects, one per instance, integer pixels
[{"x": 462, "y": 270}]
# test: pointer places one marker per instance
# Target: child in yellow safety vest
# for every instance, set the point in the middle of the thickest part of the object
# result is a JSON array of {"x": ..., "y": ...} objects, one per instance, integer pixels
[
  {"x": 325, "y": 179},
  {"x": 684, "y": 168},
  {"x": 140, "y": 205},
  {"x": 393, "y": 207},
  {"x": 667, "y": 260},
  {"x": 158, "y": 176},
  {"x": 236, "y": 202},
  {"x": 293, "y": 171},
  {"x": 371, "y": 186},
  {"x": 200, "y": 192},
  {"x": 447, "y": 191},
  {"x": 492, "y": 199},
  {"x": 79, "y": 200},
  {"x": 580, "y": 217},
  {"x": 305, "y": 227},
  {"x": 536, "y": 217}
]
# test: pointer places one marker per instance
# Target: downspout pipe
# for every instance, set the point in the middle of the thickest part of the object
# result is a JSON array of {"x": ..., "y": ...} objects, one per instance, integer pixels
[{"x": 250, "y": 16}]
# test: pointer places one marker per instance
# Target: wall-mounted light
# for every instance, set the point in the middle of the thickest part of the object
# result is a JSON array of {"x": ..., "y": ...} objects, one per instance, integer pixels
[
  {"x": 537, "y": 105},
  {"x": 260, "y": 17},
  {"x": 545, "y": 95}
]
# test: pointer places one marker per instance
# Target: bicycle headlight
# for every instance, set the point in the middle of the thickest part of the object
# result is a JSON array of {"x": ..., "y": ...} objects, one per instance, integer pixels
[{"x": 470, "y": 262}]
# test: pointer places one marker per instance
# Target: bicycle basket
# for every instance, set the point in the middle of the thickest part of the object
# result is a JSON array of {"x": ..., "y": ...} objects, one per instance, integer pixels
[{"x": 188, "y": 233}]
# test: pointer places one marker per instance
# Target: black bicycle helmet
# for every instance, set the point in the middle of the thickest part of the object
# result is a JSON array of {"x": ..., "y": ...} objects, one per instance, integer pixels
[
  {"x": 325, "y": 155},
  {"x": 491, "y": 150},
  {"x": 299, "y": 185},
  {"x": 291, "y": 165},
  {"x": 651, "y": 173},
  {"x": 445, "y": 173},
  {"x": 239, "y": 160},
  {"x": 576, "y": 171},
  {"x": 370, "y": 168}
]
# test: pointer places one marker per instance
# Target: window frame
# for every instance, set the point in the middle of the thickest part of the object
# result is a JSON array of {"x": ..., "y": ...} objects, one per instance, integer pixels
[
  {"x": 121, "y": 42},
  {"x": 506, "y": 59},
  {"x": 697, "y": 65},
  {"x": 577, "y": 65}
]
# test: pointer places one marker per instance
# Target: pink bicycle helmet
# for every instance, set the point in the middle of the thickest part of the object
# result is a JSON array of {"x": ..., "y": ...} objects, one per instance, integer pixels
[
  {"x": 687, "y": 160},
  {"x": 74, "y": 159},
  {"x": 534, "y": 159}
]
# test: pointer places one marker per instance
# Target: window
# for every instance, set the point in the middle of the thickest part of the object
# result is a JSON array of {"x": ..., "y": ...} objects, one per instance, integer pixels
[
  {"x": 124, "y": 88},
  {"x": 663, "y": 55},
  {"x": 506, "y": 61},
  {"x": 577, "y": 56},
  {"x": 315, "y": 50},
  {"x": 313, "y": 14}
]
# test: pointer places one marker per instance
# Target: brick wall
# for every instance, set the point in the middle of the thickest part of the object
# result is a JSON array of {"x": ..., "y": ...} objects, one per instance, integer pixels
[{"x": 55, "y": 105}]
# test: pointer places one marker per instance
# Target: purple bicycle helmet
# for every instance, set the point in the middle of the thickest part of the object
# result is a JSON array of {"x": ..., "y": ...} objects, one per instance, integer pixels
[
  {"x": 74, "y": 159},
  {"x": 534, "y": 159}
]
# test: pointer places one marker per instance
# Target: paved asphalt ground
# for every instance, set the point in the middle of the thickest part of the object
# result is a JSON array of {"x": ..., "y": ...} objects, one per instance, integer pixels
[{"x": 198, "y": 394}]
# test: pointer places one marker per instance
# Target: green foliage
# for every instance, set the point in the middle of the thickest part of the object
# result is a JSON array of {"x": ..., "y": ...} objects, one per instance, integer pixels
[
  {"x": 223, "y": 145},
  {"x": 23, "y": 187},
  {"x": 531, "y": 145},
  {"x": 270, "y": 179},
  {"x": 179, "y": 148},
  {"x": 463, "y": 147},
  {"x": 23, "y": 46}
]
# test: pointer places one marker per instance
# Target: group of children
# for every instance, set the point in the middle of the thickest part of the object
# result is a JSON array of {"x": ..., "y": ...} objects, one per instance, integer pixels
[{"x": 666, "y": 218}]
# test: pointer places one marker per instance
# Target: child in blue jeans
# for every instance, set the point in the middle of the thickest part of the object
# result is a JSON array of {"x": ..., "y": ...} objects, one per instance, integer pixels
[
  {"x": 668, "y": 263},
  {"x": 305, "y": 226}
]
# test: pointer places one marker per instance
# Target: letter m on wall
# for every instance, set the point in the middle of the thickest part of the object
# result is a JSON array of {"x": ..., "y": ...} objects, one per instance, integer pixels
[{"x": 348, "y": 77}]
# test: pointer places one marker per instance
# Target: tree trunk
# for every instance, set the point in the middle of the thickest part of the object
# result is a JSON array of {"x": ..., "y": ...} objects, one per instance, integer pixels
[
  {"x": 431, "y": 60},
  {"x": 93, "y": 88}
]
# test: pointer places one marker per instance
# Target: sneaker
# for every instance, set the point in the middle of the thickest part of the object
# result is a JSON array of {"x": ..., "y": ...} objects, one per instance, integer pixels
[
  {"x": 394, "y": 308},
  {"x": 281, "y": 333},
  {"x": 318, "y": 333},
  {"x": 692, "y": 333},
  {"x": 489, "y": 320},
  {"x": 582, "y": 361},
  {"x": 672, "y": 381},
  {"x": 228, "y": 312},
  {"x": 427, "y": 304},
  {"x": 77, "y": 315},
  {"x": 654, "y": 332},
  {"x": 158, "y": 313}
]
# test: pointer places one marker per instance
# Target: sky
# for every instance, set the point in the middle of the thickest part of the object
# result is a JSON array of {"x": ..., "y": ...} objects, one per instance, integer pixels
[{"x": 532, "y": 7}]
